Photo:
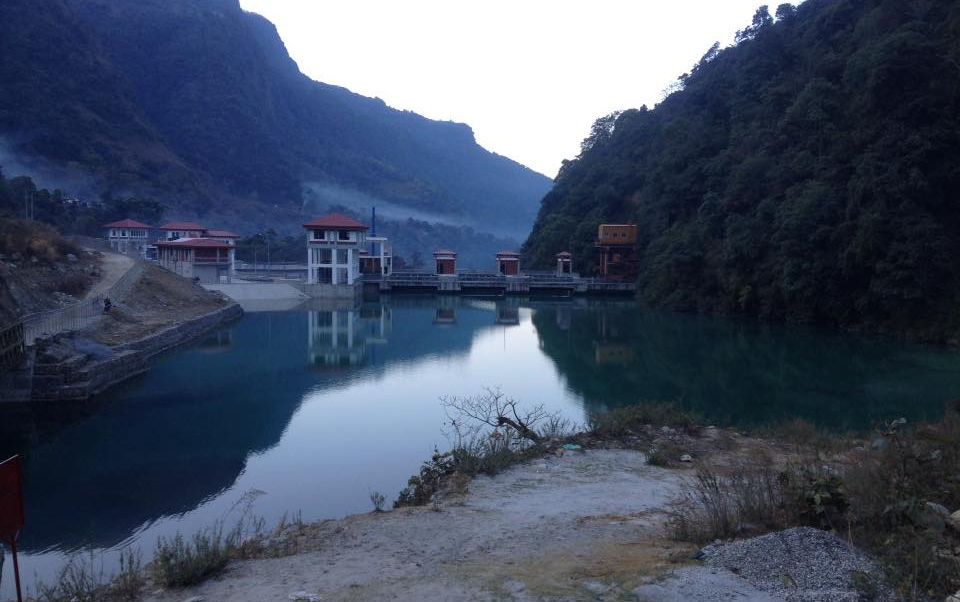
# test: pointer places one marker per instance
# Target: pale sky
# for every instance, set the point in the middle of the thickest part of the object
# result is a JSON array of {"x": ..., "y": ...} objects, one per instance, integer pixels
[{"x": 529, "y": 76}]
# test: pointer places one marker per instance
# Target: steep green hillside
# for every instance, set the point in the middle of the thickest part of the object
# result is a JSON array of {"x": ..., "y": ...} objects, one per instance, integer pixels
[{"x": 810, "y": 173}]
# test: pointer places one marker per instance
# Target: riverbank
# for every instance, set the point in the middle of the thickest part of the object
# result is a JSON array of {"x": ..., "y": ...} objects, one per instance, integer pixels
[
  {"x": 161, "y": 312},
  {"x": 623, "y": 511},
  {"x": 576, "y": 525}
]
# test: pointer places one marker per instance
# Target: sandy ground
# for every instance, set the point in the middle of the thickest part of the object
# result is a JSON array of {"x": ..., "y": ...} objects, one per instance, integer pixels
[
  {"x": 584, "y": 526},
  {"x": 112, "y": 268},
  {"x": 160, "y": 299}
]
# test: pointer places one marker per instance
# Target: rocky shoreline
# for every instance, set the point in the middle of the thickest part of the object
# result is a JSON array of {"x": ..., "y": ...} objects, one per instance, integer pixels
[{"x": 72, "y": 368}]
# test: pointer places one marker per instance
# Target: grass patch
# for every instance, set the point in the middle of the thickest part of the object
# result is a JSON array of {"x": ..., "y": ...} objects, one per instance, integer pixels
[
  {"x": 180, "y": 562},
  {"x": 630, "y": 420}
]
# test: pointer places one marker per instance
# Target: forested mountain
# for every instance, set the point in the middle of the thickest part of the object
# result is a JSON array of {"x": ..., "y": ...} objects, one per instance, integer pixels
[
  {"x": 811, "y": 172},
  {"x": 197, "y": 103}
]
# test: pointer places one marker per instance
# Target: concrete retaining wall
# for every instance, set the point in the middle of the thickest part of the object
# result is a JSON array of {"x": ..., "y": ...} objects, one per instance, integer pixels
[{"x": 77, "y": 379}]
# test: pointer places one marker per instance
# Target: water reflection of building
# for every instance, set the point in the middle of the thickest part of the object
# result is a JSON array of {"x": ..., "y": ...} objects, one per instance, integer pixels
[
  {"x": 341, "y": 338},
  {"x": 218, "y": 342},
  {"x": 507, "y": 315},
  {"x": 446, "y": 311},
  {"x": 612, "y": 353},
  {"x": 610, "y": 347}
]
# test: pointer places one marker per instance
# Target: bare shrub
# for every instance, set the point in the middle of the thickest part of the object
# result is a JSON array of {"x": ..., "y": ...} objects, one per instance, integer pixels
[
  {"x": 493, "y": 410},
  {"x": 130, "y": 580},
  {"x": 81, "y": 580},
  {"x": 754, "y": 496},
  {"x": 33, "y": 239},
  {"x": 378, "y": 500},
  {"x": 556, "y": 427},
  {"x": 892, "y": 494},
  {"x": 488, "y": 433}
]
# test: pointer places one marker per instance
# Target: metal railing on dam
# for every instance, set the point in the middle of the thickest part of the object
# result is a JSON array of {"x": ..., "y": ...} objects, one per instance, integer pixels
[{"x": 525, "y": 283}]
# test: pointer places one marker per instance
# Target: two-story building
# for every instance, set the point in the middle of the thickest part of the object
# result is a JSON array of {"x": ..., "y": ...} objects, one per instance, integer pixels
[
  {"x": 334, "y": 243},
  {"x": 205, "y": 259},
  {"x": 128, "y": 236}
]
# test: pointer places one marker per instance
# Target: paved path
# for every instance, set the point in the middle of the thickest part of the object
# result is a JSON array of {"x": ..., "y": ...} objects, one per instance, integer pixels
[{"x": 112, "y": 268}]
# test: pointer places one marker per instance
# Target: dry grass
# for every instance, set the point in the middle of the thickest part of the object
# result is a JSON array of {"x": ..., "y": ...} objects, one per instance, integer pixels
[
  {"x": 883, "y": 501},
  {"x": 180, "y": 562},
  {"x": 83, "y": 580},
  {"x": 629, "y": 420},
  {"x": 33, "y": 240}
]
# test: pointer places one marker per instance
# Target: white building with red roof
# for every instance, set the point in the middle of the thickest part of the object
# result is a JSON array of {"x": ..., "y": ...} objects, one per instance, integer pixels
[
  {"x": 207, "y": 260},
  {"x": 128, "y": 236},
  {"x": 334, "y": 243}
]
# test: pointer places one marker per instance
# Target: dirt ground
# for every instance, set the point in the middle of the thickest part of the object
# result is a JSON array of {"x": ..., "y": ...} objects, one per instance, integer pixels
[
  {"x": 27, "y": 287},
  {"x": 112, "y": 268},
  {"x": 582, "y": 526},
  {"x": 160, "y": 299}
]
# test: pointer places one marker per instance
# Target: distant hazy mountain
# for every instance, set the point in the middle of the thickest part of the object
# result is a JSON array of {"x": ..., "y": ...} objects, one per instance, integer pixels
[{"x": 198, "y": 103}]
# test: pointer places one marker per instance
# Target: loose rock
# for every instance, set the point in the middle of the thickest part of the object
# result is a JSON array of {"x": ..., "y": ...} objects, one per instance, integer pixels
[{"x": 799, "y": 565}]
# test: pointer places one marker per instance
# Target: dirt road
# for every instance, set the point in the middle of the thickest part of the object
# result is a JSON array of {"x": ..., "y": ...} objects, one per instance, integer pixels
[{"x": 112, "y": 268}]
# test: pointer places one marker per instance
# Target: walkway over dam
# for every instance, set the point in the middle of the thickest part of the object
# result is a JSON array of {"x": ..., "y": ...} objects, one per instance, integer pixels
[
  {"x": 465, "y": 282},
  {"x": 546, "y": 283}
]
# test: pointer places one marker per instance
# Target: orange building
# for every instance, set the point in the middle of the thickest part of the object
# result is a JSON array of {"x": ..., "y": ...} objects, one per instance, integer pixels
[{"x": 617, "y": 255}]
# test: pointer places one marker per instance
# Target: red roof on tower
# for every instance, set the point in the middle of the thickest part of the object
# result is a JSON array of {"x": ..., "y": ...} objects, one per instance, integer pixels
[
  {"x": 127, "y": 223},
  {"x": 335, "y": 221},
  {"x": 182, "y": 226}
]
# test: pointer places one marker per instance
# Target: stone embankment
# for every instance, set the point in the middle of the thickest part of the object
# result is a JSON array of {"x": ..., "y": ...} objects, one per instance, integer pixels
[
  {"x": 71, "y": 369},
  {"x": 161, "y": 311}
]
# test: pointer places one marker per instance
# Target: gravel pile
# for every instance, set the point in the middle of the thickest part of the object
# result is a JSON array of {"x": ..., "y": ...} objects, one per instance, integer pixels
[{"x": 802, "y": 565}]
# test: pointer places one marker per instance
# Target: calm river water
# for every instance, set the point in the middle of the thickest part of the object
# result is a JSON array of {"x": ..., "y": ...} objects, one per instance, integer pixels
[{"x": 311, "y": 411}]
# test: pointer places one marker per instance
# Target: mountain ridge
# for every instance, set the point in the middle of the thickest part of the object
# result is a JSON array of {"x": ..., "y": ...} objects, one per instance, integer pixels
[{"x": 212, "y": 116}]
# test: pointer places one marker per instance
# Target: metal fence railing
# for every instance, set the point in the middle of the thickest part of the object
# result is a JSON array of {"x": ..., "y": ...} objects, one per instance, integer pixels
[
  {"x": 78, "y": 315},
  {"x": 11, "y": 346}
]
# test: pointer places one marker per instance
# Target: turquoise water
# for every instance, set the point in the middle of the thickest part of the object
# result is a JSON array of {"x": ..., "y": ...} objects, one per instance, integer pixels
[{"x": 311, "y": 411}]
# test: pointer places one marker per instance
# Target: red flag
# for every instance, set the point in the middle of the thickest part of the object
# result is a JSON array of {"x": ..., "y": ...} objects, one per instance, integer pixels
[{"x": 11, "y": 499}]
